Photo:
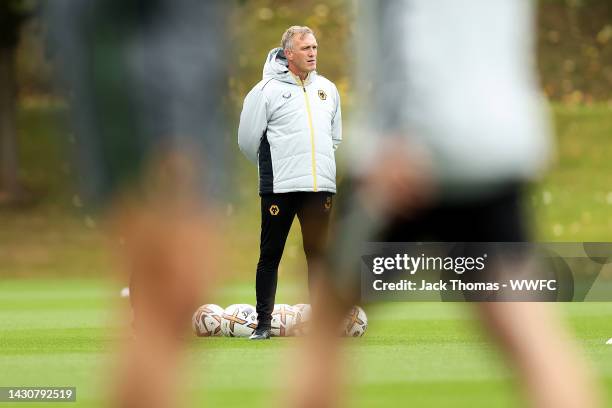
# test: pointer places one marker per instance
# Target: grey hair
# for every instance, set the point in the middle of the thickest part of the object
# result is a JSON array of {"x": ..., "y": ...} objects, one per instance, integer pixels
[{"x": 287, "y": 39}]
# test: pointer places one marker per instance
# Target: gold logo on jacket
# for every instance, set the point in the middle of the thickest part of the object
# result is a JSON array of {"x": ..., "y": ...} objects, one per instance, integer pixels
[
  {"x": 322, "y": 94},
  {"x": 274, "y": 210},
  {"x": 328, "y": 203}
]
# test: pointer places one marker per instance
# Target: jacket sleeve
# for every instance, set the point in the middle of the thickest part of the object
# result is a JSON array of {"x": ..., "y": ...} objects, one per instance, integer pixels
[
  {"x": 253, "y": 123},
  {"x": 337, "y": 122}
]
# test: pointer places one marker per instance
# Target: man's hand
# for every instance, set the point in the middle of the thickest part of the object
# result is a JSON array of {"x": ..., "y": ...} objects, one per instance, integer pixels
[{"x": 399, "y": 181}]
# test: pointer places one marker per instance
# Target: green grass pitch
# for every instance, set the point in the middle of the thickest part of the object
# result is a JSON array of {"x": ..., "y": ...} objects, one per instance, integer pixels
[
  {"x": 61, "y": 332},
  {"x": 57, "y": 330}
]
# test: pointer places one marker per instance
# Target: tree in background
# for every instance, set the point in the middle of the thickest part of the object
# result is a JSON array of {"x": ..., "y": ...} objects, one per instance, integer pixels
[{"x": 13, "y": 13}]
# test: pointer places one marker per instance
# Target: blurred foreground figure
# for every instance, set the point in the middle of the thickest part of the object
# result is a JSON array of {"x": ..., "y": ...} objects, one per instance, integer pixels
[
  {"x": 147, "y": 81},
  {"x": 452, "y": 130}
]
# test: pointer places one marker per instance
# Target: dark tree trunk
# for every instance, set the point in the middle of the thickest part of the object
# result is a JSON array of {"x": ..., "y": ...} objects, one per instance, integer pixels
[{"x": 10, "y": 186}]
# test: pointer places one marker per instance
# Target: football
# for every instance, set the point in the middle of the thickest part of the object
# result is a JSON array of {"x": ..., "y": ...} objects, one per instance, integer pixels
[
  {"x": 302, "y": 319},
  {"x": 356, "y": 323},
  {"x": 206, "y": 320},
  {"x": 239, "y": 320},
  {"x": 283, "y": 320}
]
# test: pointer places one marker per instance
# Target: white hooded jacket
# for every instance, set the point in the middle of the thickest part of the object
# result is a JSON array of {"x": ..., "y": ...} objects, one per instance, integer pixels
[{"x": 291, "y": 129}]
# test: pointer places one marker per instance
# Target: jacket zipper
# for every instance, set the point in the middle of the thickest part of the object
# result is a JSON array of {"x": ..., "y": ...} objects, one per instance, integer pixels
[{"x": 312, "y": 142}]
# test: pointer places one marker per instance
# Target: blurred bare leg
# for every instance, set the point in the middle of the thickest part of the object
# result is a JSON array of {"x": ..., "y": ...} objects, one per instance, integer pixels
[
  {"x": 170, "y": 251},
  {"x": 318, "y": 382},
  {"x": 550, "y": 366}
]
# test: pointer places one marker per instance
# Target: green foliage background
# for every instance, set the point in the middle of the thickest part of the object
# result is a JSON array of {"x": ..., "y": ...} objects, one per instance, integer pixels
[
  {"x": 52, "y": 236},
  {"x": 55, "y": 295}
]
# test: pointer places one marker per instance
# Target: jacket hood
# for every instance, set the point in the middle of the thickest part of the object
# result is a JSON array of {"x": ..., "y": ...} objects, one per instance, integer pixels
[{"x": 276, "y": 67}]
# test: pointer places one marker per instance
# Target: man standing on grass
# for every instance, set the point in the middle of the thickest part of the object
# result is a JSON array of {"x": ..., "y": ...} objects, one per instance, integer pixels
[{"x": 290, "y": 127}]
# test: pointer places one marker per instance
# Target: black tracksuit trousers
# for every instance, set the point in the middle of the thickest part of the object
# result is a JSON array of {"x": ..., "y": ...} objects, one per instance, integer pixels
[{"x": 277, "y": 214}]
